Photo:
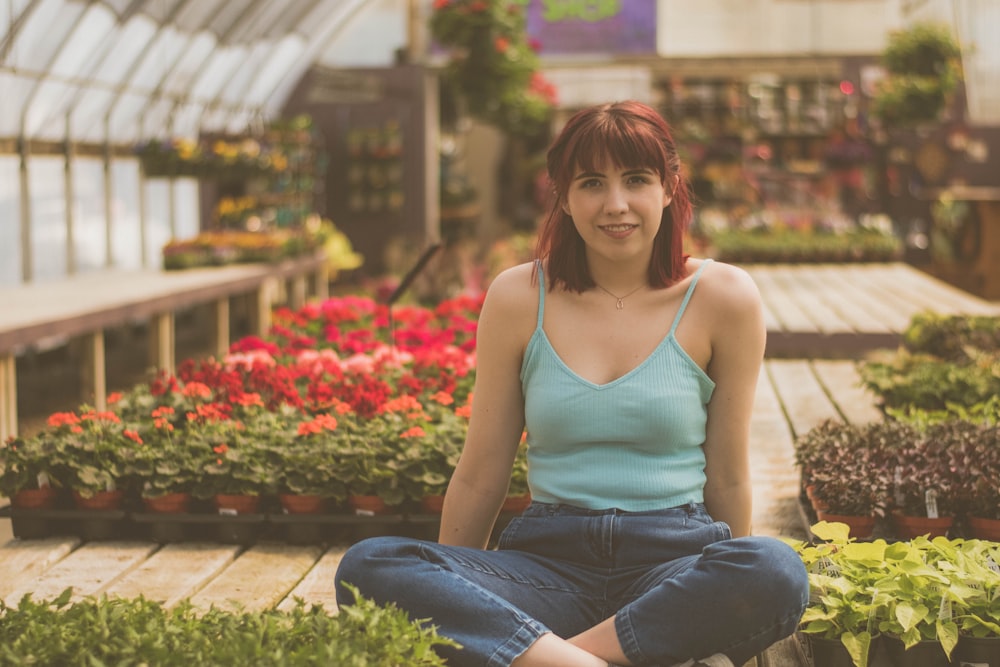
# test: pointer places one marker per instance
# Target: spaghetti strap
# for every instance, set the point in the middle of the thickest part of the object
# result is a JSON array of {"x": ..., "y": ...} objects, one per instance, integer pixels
[
  {"x": 687, "y": 295},
  {"x": 541, "y": 293}
]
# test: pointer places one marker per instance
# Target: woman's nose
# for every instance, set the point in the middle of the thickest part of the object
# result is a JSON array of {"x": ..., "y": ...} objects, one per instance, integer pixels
[{"x": 615, "y": 201}]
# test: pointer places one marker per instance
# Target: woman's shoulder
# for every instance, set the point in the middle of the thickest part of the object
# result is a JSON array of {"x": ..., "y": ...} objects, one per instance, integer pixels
[
  {"x": 725, "y": 286},
  {"x": 514, "y": 291}
]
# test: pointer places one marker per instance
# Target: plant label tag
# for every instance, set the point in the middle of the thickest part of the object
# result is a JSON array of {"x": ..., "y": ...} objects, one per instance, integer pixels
[
  {"x": 360, "y": 512},
  {"x": 43, "y": 480},
  {"x": 930, "y": 501},
  {"x": 944, "y": 613},
  {"x": 227, "y": 511},
  {"x": 973, "y": 664},
  {"x": 992, "y": 566}
]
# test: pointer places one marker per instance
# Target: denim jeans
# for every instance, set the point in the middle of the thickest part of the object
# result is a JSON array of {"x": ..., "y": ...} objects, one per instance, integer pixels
[{"x": 677, "y": 583}]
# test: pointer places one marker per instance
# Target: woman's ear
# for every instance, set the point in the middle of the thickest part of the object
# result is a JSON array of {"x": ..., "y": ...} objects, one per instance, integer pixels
[{"x": 565, "y": 208}]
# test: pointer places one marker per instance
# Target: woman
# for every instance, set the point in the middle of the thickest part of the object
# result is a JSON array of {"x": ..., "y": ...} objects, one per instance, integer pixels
[{"x": 635, "y": 390}]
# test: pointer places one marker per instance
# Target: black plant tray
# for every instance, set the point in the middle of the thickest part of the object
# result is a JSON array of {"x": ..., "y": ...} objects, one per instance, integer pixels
[
  {"x": 85, "y": 524},
  {"x": 206, "y": 526}
]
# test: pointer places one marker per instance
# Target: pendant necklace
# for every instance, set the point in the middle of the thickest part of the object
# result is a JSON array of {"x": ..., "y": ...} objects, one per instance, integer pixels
[{"x": 620, "y": 305}]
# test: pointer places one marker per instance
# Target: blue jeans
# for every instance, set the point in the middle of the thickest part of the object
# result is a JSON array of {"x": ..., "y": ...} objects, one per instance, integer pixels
[{"x": 677, "y": 583}]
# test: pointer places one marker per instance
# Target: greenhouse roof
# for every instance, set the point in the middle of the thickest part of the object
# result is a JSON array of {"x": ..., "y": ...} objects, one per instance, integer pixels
[{"x": 120, "y": 71}]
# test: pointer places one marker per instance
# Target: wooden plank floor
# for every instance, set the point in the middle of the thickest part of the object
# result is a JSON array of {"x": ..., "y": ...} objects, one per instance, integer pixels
[
  {"x": 847, "y": 310},
  {"x": 793, "y": 395}
]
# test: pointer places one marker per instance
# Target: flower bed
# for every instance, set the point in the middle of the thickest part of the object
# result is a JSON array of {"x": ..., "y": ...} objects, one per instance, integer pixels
[{"x": 324, "y": 407}]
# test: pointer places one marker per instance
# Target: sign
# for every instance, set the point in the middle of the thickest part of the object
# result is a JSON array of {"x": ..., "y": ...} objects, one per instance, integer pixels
[{"x": 588, "y": 27}]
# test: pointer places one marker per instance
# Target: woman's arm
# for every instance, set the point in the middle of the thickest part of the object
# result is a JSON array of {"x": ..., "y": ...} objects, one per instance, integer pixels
[
  {"x": 482, "y": 477},
  {"x": 738, "y": 335}
]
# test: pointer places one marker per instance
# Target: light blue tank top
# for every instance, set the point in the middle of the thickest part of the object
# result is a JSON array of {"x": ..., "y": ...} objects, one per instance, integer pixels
[{"x": 634, "y": 443}]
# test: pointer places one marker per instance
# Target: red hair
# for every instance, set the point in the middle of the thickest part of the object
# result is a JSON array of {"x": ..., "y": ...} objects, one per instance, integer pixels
[{"x": 628, "y": 134}]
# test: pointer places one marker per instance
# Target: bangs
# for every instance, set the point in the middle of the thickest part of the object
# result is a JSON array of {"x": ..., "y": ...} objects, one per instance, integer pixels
[{"x": 626, "y": 145}]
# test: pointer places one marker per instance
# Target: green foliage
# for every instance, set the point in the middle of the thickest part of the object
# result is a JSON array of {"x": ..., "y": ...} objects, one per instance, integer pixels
[
  {"x": 872, "y": 469},
  {"x": 849, "y": 465},
  {"x": 945, "y": 365},
  {"x": 924, "y": 70},
  {"x": 918, "y": 590},
  {"x": 24, "y": 462},
  {"x": 767, "y": 245},
  {"x": 492, "y": 67},
  {"x": 955, "y": 338},
  {"x": 111, "y": 631}
]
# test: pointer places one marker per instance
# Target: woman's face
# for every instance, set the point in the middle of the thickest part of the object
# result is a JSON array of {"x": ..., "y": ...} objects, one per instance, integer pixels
[{"x": 616, "y": 210}]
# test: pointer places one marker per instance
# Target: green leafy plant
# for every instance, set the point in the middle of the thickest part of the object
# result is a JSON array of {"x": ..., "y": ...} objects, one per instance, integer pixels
[
  {"x": 849, "y": 464},
  {"x": 106, "y": 631},
  {"x": 924, "y": 70},
  {"x": 492, "y": 67},
  {"x": 25, "y": 464},
  {"x": 919, "y": 590},
  {"x": 90, "y": 450},
  {"x": 954, "y": 338}
]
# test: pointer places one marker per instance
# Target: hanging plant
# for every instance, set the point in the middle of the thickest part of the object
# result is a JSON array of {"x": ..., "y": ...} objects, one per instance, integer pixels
[
  {"x": 923, "y": 72},
  {"x": 492, "y": 67}
]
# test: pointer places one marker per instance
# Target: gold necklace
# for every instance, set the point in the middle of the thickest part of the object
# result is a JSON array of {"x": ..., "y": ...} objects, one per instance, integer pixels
[{"x": 620, "y": 305}]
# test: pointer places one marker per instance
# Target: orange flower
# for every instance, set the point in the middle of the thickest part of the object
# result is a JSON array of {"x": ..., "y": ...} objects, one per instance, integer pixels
[
  {"x": 443, "y": 397},
  {"x": 163, "y": 423},
  {"x": 250, "y": 399},
  {"x": 197, "y": 390},
  {"x": 501, "y": 44},
  {"x": 464, "y": 411},
  {"x": 163, "y": 410},
  {"x": 415, "y": 432},
  {"x": 132, "y": 435},
  {"x": 221, "y": 449},
  {"x": 114, "y": 397}
]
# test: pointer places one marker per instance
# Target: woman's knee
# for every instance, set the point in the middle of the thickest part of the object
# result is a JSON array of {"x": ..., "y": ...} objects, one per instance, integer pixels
[
  {"x": 776, "y": 572},
  {"x": 367, "y": 563}
]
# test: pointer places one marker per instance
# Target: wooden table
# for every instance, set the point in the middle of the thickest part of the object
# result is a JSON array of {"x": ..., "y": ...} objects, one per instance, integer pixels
[
  {"x": 846, "y": 310},
  {"x": 87, "y": 305}
]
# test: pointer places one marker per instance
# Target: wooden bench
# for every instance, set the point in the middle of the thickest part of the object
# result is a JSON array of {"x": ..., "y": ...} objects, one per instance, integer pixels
[{"x": 84, "y": 307}]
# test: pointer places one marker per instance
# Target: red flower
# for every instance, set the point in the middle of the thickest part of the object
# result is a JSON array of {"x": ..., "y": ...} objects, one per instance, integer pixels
[
  {"x": 114, "y": 397},
  {"x": 221, "y": 449},
  {"x": 441, "y": 4},
  {"x": 132, "y": 435},
  {"x": 501, "y": 44},
  {"x": 414, "y": 432},
  {"x": 57, "y": 419}
]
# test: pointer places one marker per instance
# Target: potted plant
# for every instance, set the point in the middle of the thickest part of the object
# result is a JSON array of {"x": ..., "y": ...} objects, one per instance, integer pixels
[
  {"x": 168, "y": 466},
  {"x": 980, "y": 466},
  {"x": 928, "y": 487},
  {"x": 236, "y": 473},
  {"x": 923, "y": 71},
  {"x": 919, "y": 590},
  {"x": 840, "y": 621},
  {"x": 26, "y": 474},
  {"x": 978, "y": 614},
  {"x": 849, "y": 476},
  {"x": 308, "y": 475},
  {"x": 92, "y": 455}
]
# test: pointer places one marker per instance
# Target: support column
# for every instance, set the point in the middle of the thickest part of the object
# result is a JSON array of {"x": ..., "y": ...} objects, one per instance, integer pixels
[
  {"x": 161, "y": 335},
  {"x": 299, "y": 291},
  {"x": 265, "y": 296},
  {"x": 8, "y": 396},
  {"x": 94, "y": 371},
  {"x": 221, "y": 329},
  {"x": 321, "y": 280}
]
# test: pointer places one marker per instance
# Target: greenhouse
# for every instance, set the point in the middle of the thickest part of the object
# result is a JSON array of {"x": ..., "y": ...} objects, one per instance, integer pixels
[{"x": 287, "y": 285}]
